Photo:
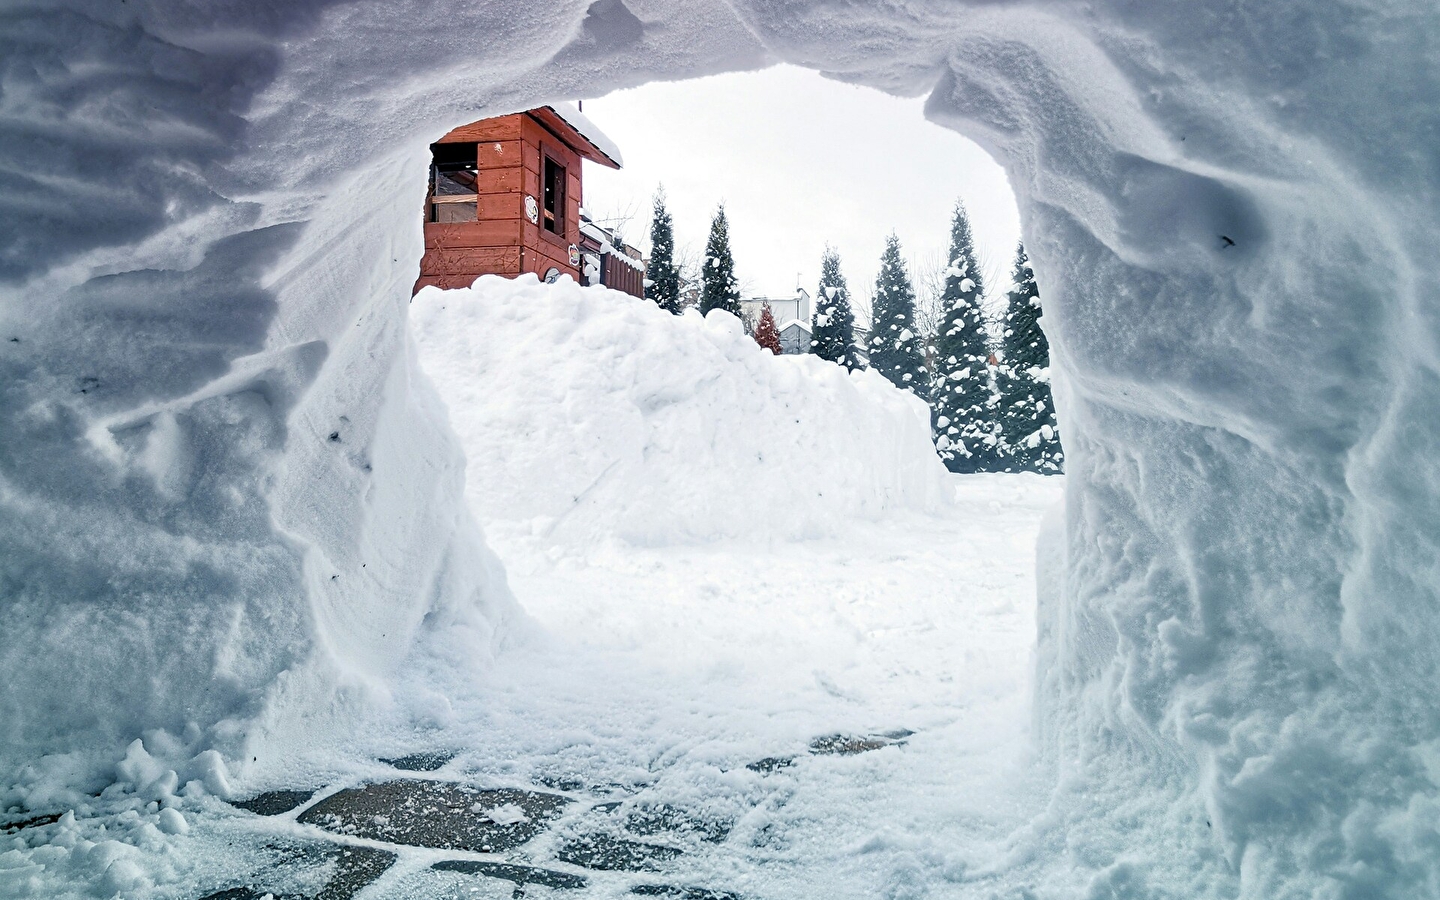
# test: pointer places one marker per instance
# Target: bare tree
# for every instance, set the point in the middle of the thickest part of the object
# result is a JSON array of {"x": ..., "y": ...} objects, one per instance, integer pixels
[
  {"x": 928, "y": 273},
  {"x": 618, "y": 219},
  {"x": 862, "y": 304},
  {"x": 689, "y": 260}
]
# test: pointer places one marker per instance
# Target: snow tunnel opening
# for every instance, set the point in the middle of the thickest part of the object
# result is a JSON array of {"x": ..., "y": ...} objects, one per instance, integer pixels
[{"x": 660, "y": 491}]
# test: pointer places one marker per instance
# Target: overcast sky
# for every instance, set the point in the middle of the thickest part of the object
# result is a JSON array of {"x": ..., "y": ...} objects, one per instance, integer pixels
[{"x": 798, "y": 161}]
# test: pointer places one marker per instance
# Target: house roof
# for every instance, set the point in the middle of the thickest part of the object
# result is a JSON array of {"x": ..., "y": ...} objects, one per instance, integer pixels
[
  {"x": 603, "y": 241},
  {"x": 795, "y": 323}
]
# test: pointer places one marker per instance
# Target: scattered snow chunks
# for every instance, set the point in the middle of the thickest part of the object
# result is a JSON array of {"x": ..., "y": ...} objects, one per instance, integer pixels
[
  {"x": 600, "y": 415},
  {"x": 172, "y": 822},
  {"x": 138, "y": 769},
  {"x": 209, "y": 768},
  {"x": 505, "y": 814}
]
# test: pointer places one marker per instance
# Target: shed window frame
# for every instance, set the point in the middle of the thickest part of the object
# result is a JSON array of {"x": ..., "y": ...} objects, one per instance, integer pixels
[
  {"x": 458, "y": 207},
  {"x": 556, "y": 213}
]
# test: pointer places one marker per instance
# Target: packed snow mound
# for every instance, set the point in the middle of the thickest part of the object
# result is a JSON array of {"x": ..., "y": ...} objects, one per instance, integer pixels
[{"x": 590, "y": 414}]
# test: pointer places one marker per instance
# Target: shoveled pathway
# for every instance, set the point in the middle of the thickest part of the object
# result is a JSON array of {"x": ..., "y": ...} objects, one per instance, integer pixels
[{"x": 499, "y": 842}]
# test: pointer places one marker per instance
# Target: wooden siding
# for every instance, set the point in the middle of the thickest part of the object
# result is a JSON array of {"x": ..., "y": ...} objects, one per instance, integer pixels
[
  {"x": 500, "y": 154},
  {"x": 500, "y": 128},
  {"x": 512, "y": 180},
  {"x": 621, "y": 277},
  {"x": 465, "y": 260},
  {"x": 497, "y": 233}
]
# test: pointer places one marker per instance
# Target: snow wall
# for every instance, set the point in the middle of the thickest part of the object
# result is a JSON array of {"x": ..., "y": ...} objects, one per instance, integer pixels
[
  {"x": 223, "y": 496},
  {"x": 587, "y": 414}
]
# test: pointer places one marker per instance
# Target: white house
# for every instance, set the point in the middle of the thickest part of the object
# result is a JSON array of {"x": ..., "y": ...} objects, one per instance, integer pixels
[
  {"x": 784, "y": 309},
  {"x": 795, "y": 336}
]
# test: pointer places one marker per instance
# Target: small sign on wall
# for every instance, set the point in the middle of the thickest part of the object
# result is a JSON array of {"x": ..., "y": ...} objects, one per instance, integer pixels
[
  {"x": 532, "y": 210},
  {"x": 574, "y": 256}
]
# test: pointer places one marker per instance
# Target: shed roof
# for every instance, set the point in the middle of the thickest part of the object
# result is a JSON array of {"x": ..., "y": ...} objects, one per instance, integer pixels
[
  {"x": 567, "y": 121},
  {"x": 560, "y": 119}
]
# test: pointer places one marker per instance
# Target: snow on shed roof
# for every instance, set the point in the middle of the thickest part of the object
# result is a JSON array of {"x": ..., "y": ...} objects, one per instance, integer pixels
[
  {"x": 796, "y": 323},
  {"x": 588, "y": 130}
]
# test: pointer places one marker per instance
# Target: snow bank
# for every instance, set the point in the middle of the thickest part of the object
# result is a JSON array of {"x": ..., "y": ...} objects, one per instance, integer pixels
[
  {"x": 591, "y": 414},
  {"x": 209, "y": 223}
]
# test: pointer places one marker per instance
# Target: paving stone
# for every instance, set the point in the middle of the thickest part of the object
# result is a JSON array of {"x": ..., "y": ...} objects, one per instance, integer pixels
[
  {"x": 345, "y": 871},
  {"x": 356, "y": 868},
  {"x": 274, "y": 803},
  {"x": 648, "y": 821},
  {"x": 608, "y": 853},
  {"x": 561, "y": 782},
  {"x": 437, "y": 814},
  {"x": 846, "y": 745},
  {"x": 674, "y": 892},
  {"x": 20, "y": 825},
  {"x": 771, "y": 764},
  {"x": 419, "y": 762},
  {"x": 770, "y": 837},
  {"x": 517, "y": 874}
]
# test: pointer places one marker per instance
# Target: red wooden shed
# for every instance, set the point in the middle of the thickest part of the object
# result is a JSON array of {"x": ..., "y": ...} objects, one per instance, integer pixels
[{"x": 505, "y": 196}]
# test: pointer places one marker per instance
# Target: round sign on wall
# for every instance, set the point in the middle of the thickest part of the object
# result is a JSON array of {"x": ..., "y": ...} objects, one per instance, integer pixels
[
  {"x": 532, "y": 210},
  {"x": 552, "y": 276}
]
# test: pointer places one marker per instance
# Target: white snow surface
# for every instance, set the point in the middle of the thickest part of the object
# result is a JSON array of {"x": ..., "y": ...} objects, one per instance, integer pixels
[
  {"x": 658, "y": 675},
  {"x": 590, "y": 414},
  {"x": 207, "y": 240}
]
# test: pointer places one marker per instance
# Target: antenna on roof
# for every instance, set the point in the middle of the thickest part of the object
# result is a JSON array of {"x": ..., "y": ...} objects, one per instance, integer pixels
[{"x": 580, "y": 105}]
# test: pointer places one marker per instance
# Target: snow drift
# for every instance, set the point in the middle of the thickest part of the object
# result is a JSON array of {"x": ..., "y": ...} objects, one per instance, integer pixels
[
  {"x": 210, "y": 225},
  {"x": 591, "y": 414}
]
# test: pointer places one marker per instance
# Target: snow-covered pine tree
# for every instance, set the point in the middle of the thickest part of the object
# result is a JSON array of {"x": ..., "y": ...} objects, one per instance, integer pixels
[
  {"x": 767, "y": 334},
  {"x": 719, "y": 288},
  {"x": 662, "y": 276},
  {"x": 961, "y": 388},
  {"x": 832, "y": 334},
  {"x": 1030, "y": 438},
  {"x": 896, "y": 349}
]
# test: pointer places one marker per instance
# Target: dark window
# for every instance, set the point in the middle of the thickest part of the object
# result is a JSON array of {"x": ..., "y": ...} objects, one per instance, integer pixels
[
  {"x": 453, "y": 178},
  {"x": 553, "y": 209}
]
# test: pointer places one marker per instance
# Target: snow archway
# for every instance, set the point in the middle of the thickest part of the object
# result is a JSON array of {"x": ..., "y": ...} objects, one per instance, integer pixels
[{"x": 226, "y": 503}]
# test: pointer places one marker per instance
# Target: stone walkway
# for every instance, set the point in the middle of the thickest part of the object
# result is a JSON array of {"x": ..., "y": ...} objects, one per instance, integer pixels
[{"x": 492, "y": 843}]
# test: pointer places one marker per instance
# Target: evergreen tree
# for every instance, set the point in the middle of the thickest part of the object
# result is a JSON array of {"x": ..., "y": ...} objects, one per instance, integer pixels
[
  {"x": 964, "y": 431},
  {"x": 832, "y": 333},
  {"x": 1030, "y": 438},
  {"x": 767, "y": 334},
  {"x": 662, "y": 276},
  {"x": 720, "y": 290},
  {"x": 896, "y": 350}
]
